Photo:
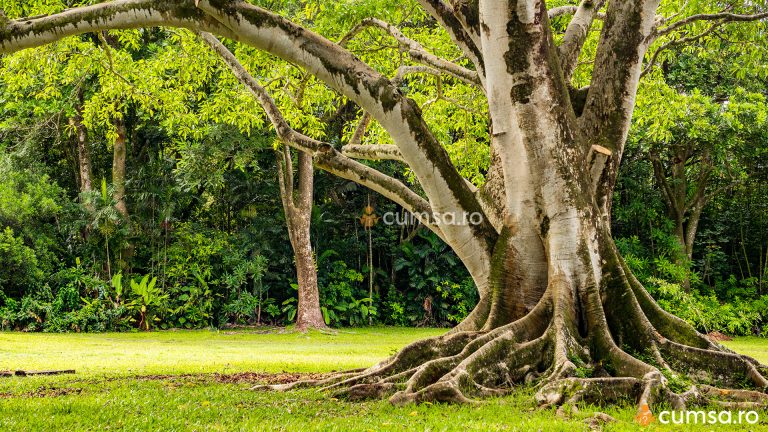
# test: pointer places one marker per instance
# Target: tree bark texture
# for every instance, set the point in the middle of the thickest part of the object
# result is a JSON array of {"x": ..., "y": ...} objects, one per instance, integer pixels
[
  {"x": 119, "y": 155},
  {"x": 297, "y": 204}
]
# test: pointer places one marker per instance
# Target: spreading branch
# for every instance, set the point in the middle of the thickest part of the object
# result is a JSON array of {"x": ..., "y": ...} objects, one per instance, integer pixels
[
  {"x": 324, "y": 155},
  {"x": 372, "y": 152},
  {"x": 404, "y": 71},
  {"x": 720, "y": 18},
  {"x": 377, "y": 95},
  {"x": 674, "y": 42},
  {"x": 241, "y": 21}
]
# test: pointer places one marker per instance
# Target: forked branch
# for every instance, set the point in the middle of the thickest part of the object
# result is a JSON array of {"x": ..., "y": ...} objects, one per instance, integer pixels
[{"x": 415, "y": 50}]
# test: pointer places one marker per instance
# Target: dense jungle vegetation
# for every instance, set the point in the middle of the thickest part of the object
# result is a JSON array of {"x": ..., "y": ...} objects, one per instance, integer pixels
[{"x": 174, "y": 218}]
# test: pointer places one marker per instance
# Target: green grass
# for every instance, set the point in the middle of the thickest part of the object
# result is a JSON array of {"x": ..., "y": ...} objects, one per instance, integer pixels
[
  {"x": 752, "y": 346},
  {"x": 108, "y": 392},
  {"x": 175, "y": 352}
]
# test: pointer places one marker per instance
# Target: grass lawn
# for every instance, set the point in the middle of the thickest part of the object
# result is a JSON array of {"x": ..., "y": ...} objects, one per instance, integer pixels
[{"x": 117, "y": 386}]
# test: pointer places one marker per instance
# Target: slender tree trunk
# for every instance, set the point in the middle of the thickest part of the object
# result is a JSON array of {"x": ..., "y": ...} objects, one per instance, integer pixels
[
  {"x": 118, "y": 168},
  {"x": 683, "y": 210},
  {"x": 83, "y": 158},
  {"x": 297, "y": 204},
  {"x": 308, "y": 314},
  {"x": 84, "y": 173},
  {"x": 370, "y": 272}
]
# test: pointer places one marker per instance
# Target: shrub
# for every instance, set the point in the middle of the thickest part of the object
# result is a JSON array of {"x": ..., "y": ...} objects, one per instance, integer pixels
[
  {"x": 19, "y": 271},
  {"x": 707, "y": 313}
]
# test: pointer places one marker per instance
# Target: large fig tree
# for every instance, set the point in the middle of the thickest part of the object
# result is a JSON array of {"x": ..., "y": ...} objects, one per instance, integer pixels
[{"x": 558, "y": 306}]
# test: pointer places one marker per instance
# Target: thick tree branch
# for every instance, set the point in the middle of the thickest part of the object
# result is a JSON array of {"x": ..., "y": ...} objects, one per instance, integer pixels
[
  {"x": 610, "y": 101},
  {"x": 324, "y": 155},
  {"x": 31, "y": 32},
  {"x": 463, "y": 31},
  {"x": 372, "y": 152},
  {"x": 576, "y": 33},
  {"x": 404, "y": 71},
  {"x": 415, "y": 50},
  {"x": 559, "y": 11}
]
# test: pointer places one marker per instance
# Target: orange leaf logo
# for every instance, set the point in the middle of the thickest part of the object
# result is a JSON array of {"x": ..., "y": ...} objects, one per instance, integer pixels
[{"x": 645, "y": 416}]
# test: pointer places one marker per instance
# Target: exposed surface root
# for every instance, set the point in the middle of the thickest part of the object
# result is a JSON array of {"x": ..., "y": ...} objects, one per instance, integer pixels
[
  {"x": 597, "y": 421},
  {"x": 583, "y": 343}
]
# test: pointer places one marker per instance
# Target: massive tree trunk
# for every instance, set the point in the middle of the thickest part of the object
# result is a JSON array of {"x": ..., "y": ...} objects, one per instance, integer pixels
[
  {"x": 297, "y": 205},
  {"x": 558, "y": 308}
]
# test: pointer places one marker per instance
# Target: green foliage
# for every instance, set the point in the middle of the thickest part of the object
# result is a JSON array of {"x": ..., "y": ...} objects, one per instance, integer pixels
[
  {"x": 249, "y": 309},
  {"x": 291, "y": 306},
  {"x": 30, "y": 206},
  {"x": 148, "y": 301},
  {"x": 708, "y": 314},
  {"x": 19, "y": 271},
  {"x": 344, "y": 299},
  {"x": 433, "y": 296}
]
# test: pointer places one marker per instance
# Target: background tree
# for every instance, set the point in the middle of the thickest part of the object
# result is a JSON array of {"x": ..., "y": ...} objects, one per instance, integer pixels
[
  {"x": 697, "y": 152},
  {"x": 297, "y": 205},
  {"x": 702, "y": 96}
]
